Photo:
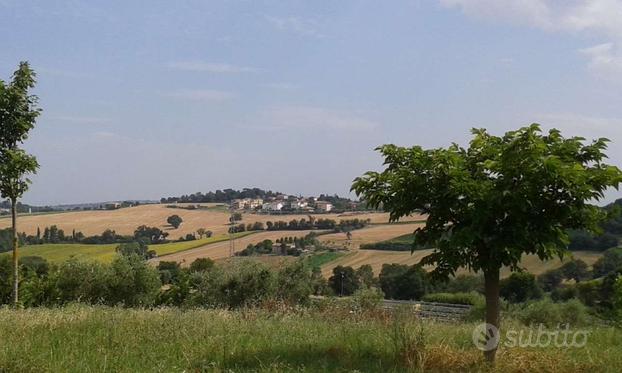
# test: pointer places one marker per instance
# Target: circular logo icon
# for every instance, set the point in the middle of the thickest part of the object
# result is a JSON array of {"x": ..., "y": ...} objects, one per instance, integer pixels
[{"x": 486, "y": 337}]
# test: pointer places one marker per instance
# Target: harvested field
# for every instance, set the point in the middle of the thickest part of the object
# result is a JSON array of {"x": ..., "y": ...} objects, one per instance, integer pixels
[
  {"x": 125, "y": 220},
  {"x": 370, "y": 234},
  {"x": 220, "y": 250},
  {"x": 376, "y": 258}
]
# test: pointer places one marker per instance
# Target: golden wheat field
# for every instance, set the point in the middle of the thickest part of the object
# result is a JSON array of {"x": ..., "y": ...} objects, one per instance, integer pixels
[{"x": 125, "y": 220}]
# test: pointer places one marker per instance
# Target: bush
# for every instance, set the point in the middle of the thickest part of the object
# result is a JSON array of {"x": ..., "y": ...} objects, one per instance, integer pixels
[
  {"x": 367, "y": 299},
  {"x": 79, "y": 281},
  {"x": 293, "y": 283},
  {"x": 132, "y": 282},
  {"x": 239, "y": 284},
  {"x": 552, "y": 314},
  {"x": 471, "y": 298},
  {"x": 520, "y": 287}
]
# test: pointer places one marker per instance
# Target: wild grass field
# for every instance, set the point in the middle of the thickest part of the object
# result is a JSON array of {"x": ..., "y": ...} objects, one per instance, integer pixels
[{"x": 98, "y": 339}]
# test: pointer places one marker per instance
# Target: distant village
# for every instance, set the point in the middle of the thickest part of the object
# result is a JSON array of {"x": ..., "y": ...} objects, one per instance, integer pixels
[{"x": 286, "y": 203}]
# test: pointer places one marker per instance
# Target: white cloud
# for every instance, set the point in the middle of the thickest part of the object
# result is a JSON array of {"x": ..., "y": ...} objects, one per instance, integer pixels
[
  {"x": 600, "y": 18},
  {"x": 81, "y": 119},
  {"x": 207, "y": 95},
  {"x": 217, "y": 68},
  {"x": 300, "y": 26},
  {"x": 605, "y": 60},
  {"x": 310, "y": 118}
]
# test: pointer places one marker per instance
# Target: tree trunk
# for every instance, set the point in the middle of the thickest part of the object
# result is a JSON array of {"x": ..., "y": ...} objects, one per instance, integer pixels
[
  {"x": 15, "y": 258},
  {"x": 491, "y": 285}
]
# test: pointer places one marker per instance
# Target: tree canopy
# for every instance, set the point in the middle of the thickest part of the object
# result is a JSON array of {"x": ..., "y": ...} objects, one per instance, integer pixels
[{"x": 496, "y": 200}]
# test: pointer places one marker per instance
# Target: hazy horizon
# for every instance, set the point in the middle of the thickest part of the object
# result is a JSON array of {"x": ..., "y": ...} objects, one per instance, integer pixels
[{"x": 149, "y": 101}]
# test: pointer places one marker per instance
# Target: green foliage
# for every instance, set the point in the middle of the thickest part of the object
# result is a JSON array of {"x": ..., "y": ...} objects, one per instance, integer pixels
[
  {"x": 150, "y": 235},
  {"x": 365, "y": 274},
  {"x": 80, "y": 281},
  {"x": 496, "y": 200},
  {"x": 174, "y": 220},
  {"x": 617, "y": 298},
  {"x": 520, "y": 287},
  {"x": 201, "y": 265},
  {"x": 293, "y": 283},
  {"x": 136, "y": 248},
  {"x": 367, "y": 299},
  {"x": 241, "y": 283},
  {"x": 552, "y": 314},
  {"x": 471, "y": 298},
  {"x": 459, "y": 284},
  {"x": 344, "y": 281},
  {"x": 582, "y": 240},
  {"x": 610, "y": 262},
  {"x": 399, "y": 281},
  {"x": 132, "y": 282}
]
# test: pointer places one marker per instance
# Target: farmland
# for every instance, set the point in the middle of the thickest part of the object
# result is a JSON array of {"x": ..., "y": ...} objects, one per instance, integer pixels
[
  {"x": 57, "y": 253},
  {"x": 220, "y": 250},
  {"x": 124, "y": 221}
]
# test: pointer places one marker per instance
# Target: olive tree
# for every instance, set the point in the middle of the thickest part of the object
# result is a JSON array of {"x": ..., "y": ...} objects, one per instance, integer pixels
[
  {"x": 18, "y": 113},
  {"x": 494, "y": 201}
]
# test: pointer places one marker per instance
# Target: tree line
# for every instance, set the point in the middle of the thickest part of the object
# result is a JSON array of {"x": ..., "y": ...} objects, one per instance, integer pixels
[{"x": 222, "y": 196}]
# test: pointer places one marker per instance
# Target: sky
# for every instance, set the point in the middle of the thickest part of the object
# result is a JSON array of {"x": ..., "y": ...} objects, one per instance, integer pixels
[{"x": 145, "y": 99}]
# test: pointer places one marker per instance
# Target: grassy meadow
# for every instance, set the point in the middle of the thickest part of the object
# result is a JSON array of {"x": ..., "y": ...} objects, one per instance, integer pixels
[{"x": 87, "y": 339}]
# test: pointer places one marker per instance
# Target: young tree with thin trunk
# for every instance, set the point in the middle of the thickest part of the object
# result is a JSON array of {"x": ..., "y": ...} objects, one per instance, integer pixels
[
  {"x": 18, "y": 113},
  {"x": 490, "y": 203}
]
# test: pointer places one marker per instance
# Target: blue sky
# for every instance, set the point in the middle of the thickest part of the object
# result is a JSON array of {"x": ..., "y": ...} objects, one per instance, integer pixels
[{"x": 157, "y": 98}]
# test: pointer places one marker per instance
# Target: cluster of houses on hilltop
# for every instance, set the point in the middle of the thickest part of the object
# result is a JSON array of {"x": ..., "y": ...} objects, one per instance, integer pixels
[{"x": 282, "y": 203}]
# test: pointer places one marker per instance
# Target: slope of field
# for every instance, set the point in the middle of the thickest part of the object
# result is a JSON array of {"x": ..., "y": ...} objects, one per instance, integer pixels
[
  {"x": 105, "y": 253},
  {"x": 220, "y": 250},
  {"x": 56, "y": 253},
  {"x": 376, "y": 258},
  {"x": 124, "y": 221},
  {"x": 371, "y": 234}
]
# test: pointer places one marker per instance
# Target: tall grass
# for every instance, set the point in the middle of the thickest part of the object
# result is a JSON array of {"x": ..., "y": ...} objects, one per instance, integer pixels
[{"x": 88, "y": 339}]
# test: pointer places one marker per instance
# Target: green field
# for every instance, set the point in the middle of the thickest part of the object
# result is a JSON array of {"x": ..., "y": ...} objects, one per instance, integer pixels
[
  {"x": 400, "y": 243},
  {"x": 105, "y": 253},
  {"x": 97, "y": 339},
  {"x": 319, "y": 259}
]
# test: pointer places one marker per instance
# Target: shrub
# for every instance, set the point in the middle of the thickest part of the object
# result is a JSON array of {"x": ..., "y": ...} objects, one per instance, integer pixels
[
  {"x": 367, "y": 299},
  {"x": 132, "y": 282},
  {"x": 293, "y": 283},
  {"x": 79, "y": 281},
  {"x": 610, "y": 262},
  {"x": 552, "y": 314},
  {"x": 471, "y": 298},
  {"x": 520, "y": 287},
  {"x": 201, "y": 265}
]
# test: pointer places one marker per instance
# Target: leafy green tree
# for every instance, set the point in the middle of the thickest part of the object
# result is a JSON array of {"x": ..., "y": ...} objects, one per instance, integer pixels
[
  {"x": 575, "y": 269},
  {"x": 365, "y": 274},
  {"x": 551, "y": 279},
  {"x": 520, "y": 287},
  {"x": 136, "y": 248},
  {"x": 610, "y": 262},
  {"x": 344, "y": 281},
  {"x": 490, "y": 203},
  {"x": 174, "y": 220},
  {"x": 18, "y": 113},
  {"x": 399, "y": 281}
]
